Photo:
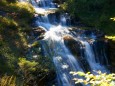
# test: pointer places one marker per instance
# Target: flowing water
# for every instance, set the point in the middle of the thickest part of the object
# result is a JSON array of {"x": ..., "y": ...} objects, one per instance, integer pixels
[{"x": 57, "y": 27}]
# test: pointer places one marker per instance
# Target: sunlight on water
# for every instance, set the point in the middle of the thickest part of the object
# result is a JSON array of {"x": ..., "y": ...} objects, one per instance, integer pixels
[{"x": 54, "y": 46}]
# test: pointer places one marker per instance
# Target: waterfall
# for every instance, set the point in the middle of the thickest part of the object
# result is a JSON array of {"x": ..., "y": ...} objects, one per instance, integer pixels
[
  {"x": 62, "y": 57},
  {"x": 54, "y": 46},
  {"x": 89, "y": 54}
]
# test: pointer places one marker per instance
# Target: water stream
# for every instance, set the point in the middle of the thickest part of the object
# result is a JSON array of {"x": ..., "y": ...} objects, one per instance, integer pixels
[{"x": 57, "y": 27}]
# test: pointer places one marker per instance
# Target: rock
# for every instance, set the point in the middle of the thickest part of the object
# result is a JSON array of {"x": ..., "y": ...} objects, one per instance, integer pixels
[
  {"x": 111, "y": 52},
  {"x": 58, "y": 1},
  {"x": 77, "y": 49},
  {"x": 38, "y": 31},
  {"x": 73, "y": 45},
  {"x": 91, "y": 33},
  {"x": 41, "y": 37},
  {"x": 99, "y": 46}
]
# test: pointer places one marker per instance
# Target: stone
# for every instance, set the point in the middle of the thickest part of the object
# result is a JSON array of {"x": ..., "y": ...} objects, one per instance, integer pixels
[
  {"x": 38, "y": 31},
  {"x": 73, "y": 45}
]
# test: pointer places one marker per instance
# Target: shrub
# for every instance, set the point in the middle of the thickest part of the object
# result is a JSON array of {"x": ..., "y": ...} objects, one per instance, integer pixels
[
  {"x": 7, "y": 81},
  {"x": 7, "y": 22}
]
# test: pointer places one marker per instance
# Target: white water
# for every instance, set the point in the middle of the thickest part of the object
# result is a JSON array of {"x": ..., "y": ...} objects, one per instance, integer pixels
[
  {"x": 62, "y": 58},
  {"x": 54, "y": 47},
  {"x": 46, "y": 6},
  {"x": 91, "y": 58}
]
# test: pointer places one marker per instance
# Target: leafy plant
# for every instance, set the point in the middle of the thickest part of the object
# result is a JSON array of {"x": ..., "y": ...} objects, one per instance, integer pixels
[
  {"x": 100, "y": 79},
  {"x": 7, "y": 81}
]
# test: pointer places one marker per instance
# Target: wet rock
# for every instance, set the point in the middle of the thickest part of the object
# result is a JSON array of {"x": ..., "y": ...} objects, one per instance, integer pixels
[
  {"x": 54, "y": 18},
  {"x": 73, "y": 45},
  {"x": 33, "y": 21},
  {"x": 58, "y": 1},
  {"x": 100, "y": 48},
  {"x": 38, "y": 31},
  {"x": 41, "y": 37},
  {"x": 91, "y": 33},
  {"x": 77, "y": 49},
  {"x": 111, "y": 52}
]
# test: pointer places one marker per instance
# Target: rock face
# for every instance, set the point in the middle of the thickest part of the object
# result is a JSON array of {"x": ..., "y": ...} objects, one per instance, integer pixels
[
  {"x": 39, "y": 32},
  {"x": 112, "y": 54},
  {"x": 76, "y": 48}
]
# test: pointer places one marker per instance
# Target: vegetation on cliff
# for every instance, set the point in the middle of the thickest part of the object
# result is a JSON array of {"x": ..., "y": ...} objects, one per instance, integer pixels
[
  {"x": 93, "y": 13},
  {"x": 15, "y": 21}
]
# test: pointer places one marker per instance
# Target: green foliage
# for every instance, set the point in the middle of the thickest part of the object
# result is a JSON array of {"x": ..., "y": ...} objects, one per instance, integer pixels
[
  {"x": 24, "y": 9},
  {"x": 7, "y": 23},
  {"x": 14, "y": 27},
  {"x": 8, "y": 81},
  {"x": 33, "y": 71},
  {"x": 26, "y": 65},
  {"x": 113, "y": 18},
  {"x": 110, "y": 37},
  {"x": 26, "y": 68},
  {"x": 12, "y": 46},
  {"x": 21, "y": 9},
  {"x": 94, "y": 13},
  {"x": 35, "y": 44},
  {"x": 100, "y": 79},
  {"x": 43, "y": 66},
  {"x": 13, "y": 41}
]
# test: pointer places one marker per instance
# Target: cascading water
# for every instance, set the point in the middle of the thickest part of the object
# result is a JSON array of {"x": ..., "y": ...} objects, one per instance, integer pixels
[
  {"x": 43, "y": 6},
  {"x": 53, "y": 44},
  {"x": 62, "y": 58},
  {"x": 89, "y": 54}
]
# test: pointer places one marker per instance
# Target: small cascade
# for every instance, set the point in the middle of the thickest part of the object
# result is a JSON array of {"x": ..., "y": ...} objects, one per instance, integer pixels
[
  {"x": 43, "y": 6},
  {"x": 90, "y": 56},
  {"x": 45, "y": 3},
  {"x": 54, "y": 46},
  {"x": 65, "y": 19}
]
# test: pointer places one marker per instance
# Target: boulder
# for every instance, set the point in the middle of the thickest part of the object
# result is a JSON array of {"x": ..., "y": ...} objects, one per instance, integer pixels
[
  {"x": 38, "y": 31},
  {"x": 73, "y": 45}
]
